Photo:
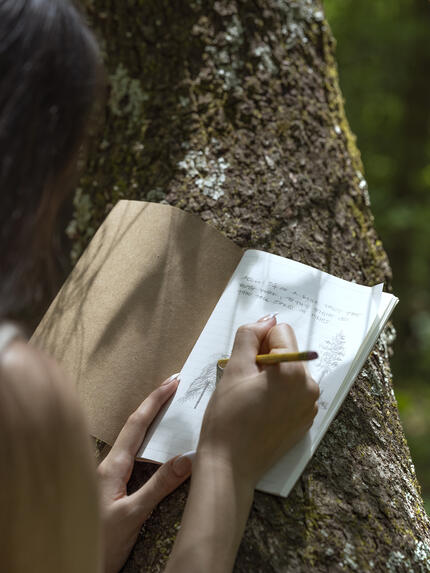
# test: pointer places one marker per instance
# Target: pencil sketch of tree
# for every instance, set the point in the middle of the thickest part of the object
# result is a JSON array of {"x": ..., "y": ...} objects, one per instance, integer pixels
[
  {"x": 231, "y": 109},
  {"x": 333, "y": 351},
  {"x": 205, "y": 382}
]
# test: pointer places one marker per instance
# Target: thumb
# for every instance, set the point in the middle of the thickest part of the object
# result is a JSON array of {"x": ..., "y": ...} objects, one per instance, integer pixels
[
  {"x": 165, "y": 480},
  {"x": 247, "y": 344}
]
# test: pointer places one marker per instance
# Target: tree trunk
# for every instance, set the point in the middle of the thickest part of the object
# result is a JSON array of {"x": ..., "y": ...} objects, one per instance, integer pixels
[{"x": 231, "y": 109}]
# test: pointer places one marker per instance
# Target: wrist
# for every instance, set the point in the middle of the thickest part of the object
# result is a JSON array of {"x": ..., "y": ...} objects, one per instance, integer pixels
[
  {"x": 215, "y": 516},
  {"x": 220, "y": 463}
]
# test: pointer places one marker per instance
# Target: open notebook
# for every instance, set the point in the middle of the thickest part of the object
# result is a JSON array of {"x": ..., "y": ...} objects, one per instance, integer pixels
[
  {"x": 338, "y": 319},
  {"x": 158, "y": 291}
]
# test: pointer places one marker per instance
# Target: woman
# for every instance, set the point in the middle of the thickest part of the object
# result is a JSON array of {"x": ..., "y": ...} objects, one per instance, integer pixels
[{"x": 56, "y": 513}]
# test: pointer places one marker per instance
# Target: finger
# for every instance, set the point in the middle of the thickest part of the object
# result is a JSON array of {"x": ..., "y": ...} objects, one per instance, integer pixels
[
  {"x": 311, "y": 415},
  {"x": 132, "y": 434},
  {"x": 247, "y": 344},
  {"x": 313, "y": 389},
  {"x": 165, "y": 480},
  {"x": 280, "y": 338}
]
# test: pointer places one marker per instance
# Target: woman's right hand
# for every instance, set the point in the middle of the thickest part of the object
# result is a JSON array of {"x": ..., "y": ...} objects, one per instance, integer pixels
[
  {"x": 257, "y": 413},
  {"x": 254, "y": 416}
]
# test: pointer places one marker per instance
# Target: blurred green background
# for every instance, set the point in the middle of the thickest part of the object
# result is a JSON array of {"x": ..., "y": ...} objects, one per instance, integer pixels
[{"x": 383, "y": 54}]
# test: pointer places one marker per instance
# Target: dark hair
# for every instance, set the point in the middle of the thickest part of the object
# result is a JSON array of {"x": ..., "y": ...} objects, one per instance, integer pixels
[{"x": 50, "y": 80}]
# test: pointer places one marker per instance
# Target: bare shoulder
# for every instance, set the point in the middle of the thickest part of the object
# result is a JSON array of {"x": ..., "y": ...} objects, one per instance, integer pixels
[
  {"x": 21, "y": 362},
  {"x": 39, "y": 411},
  {"x": 35, "y": 393}
]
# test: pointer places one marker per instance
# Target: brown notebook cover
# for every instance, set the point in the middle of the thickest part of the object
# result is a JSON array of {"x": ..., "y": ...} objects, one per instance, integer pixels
[{"x": 134, "y": 305}]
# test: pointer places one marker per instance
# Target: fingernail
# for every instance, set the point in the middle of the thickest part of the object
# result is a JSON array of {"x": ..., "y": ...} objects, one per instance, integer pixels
[
  {"x": 268, "y": 317},
  {"x": 172, "y": 377},
  {"x": 184, "y": 464}
]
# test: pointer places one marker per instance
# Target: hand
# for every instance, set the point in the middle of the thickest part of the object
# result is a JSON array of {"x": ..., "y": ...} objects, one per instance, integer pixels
[
  {"x": 257, "y": 413},
  {"x": 122, "y": 514}
]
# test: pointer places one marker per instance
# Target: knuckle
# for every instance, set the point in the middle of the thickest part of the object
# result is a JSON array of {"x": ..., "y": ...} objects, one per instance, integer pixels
[
  {"x": 138, "y": 418},
  {"x": 314, "y": 389},
  {"x": 309, "y": 416},
  {"x": 245, "y": 330},
  {"x": 116, "y": 464},
  {"x": 285, "y": 328},
  {"x": 121, "y": 460},
  {"x": 284, "y": 335},
  {"x": 314, "y": 411}
]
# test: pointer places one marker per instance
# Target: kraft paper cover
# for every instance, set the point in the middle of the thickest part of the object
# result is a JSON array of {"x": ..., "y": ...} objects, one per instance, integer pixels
[{"x": 133, "y": 307}]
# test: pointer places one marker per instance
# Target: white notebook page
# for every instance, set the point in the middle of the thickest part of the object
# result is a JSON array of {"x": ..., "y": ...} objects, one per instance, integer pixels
[{"x": 328, "y": 314}]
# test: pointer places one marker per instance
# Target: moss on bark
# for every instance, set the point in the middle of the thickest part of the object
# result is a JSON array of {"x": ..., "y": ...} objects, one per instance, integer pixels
[{"x": 232, "y": 110}]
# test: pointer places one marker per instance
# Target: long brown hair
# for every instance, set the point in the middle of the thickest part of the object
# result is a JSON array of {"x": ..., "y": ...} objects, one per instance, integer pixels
[{"x": 50, "y": 80}]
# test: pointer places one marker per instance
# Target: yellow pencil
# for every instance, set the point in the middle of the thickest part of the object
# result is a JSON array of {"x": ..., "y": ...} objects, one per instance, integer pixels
[{"x": 276, "y": 358}]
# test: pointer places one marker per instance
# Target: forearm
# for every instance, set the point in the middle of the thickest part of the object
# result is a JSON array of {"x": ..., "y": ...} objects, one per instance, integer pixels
[{"x": 214, "y": 519}]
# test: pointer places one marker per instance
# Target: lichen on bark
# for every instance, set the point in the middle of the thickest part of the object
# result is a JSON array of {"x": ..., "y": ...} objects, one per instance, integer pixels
[{"x": 236, "y": 114}]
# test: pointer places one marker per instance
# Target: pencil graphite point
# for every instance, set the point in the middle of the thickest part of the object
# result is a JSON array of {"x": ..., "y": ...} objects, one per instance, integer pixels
[{"x": 311, "y": 355}]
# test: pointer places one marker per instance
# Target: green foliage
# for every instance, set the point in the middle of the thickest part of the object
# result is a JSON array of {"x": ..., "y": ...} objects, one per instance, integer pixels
[{"x": 384, "y": 61}]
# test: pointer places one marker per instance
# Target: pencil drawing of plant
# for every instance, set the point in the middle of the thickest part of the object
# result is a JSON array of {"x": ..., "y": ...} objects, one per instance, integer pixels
[
  {"x": 205, "y": 382},
  {"x": 333, "y": 351}
]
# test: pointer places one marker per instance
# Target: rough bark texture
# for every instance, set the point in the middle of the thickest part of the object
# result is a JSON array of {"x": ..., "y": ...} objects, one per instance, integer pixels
[{"x": 231, "y": 109}]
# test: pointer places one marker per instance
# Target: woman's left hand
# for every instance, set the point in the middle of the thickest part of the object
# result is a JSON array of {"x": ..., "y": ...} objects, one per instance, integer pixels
[{"x": 122, "y": 514}]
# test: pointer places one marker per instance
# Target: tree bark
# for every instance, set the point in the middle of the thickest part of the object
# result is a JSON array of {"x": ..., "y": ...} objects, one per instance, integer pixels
[{"x": 231, "y": 109}]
